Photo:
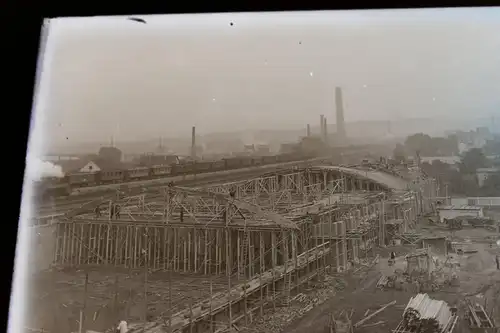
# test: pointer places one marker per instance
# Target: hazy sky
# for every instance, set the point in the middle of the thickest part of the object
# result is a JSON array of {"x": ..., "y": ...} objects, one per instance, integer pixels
[{"x": 269, "y": 70}]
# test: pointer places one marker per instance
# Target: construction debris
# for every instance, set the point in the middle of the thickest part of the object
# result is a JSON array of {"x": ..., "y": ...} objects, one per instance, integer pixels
[
  {"x": 362, "y": 321},
  {"x": 299, "y": 305},
  {"x": 477, "y": 317},
  {"x": 342, "y": 325}
]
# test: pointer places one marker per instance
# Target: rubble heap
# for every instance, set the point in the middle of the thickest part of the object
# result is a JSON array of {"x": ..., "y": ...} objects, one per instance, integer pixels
[{"x": 275, "y": 321}]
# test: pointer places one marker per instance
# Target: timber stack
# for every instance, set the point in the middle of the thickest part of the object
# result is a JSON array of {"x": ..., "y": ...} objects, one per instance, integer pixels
[{"x": 425, "y": 315}]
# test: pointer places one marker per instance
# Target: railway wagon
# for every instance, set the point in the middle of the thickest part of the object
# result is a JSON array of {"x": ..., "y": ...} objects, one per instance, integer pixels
[
  {"x": 113, "y": 176},
  {"x": 233, "y": 163},
  {"x": 139, "y": 173},
  {"x": 218, "y": 165},
  {"x": 83, "y": 178},
  {"x": 246, "y": 162},
  {"x": 256, "y": 161},
  {"x": 204, "y": 166},
  {"x": 269, "y": 159},
  {"x": 161, "y": 171},
  {"x": 184, "y": 168}
]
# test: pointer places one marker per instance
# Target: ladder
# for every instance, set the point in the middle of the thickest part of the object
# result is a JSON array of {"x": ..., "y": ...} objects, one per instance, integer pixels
[{"x": 244, "y": 253}]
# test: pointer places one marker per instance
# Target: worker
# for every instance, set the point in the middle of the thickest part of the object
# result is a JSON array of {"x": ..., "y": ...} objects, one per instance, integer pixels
[
  {"x": 497, "y": 259},
  {"x": 97, "y": 212},
  {"x": 122, "y": 327},
  {"x": 393, "y": 255},
  {"x": 117, "y": 211}
]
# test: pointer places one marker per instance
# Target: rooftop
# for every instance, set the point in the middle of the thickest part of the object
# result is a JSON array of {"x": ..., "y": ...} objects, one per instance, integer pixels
[
  {"x": 486, "y": 170},
  {"x": 464, "y": 207}
]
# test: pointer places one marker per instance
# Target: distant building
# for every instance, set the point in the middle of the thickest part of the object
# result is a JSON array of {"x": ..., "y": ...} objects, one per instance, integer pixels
[
  {"x": 451, "y": 160},
  {"x": 451, "y": 212},
  {"x": 250, "y": 149},
  {"x": 107, "y": 159},
  {"x": 110, "y": 154},
  {"x": 91, "y": 164},
  {"x": 263, "y": 149},
  {"x": 286, "y": 148},
  {"x": 486, "y": 202},
  {"x": 158, "y": 159},
  {"x": 99, "y": 164},
  {"x": 71, "y": 166},
  {"x": 484, "y": 173},
  {"x": 312, "y": 144}
]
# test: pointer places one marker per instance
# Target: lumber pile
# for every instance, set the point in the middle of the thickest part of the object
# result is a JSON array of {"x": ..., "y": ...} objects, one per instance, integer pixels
[{"x": 426, "y": 315}]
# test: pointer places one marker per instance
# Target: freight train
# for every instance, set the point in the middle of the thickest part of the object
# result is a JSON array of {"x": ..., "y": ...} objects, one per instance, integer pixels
[{"x": 63, "y": 186}]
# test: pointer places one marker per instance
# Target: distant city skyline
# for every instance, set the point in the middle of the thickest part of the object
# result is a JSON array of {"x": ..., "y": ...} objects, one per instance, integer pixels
[{"x": 113, "y": 77}]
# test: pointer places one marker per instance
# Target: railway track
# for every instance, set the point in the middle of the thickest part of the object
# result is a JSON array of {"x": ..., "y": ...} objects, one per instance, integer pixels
[{"x": 61, "y": 206}]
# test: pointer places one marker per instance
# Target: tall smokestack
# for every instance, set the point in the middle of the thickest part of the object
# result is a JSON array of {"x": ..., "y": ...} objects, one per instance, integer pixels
[
  {"x": 325, "y": 130},
  {"x": 308, "y": 130},
  {"x": 321, "y": 125},
  {"x": 341, "y": 134},
  {"x": 193, "y": 142}
]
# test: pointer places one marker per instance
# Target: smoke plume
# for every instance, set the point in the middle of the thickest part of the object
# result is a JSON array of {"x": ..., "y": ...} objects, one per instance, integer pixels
[{"x": 37, "y": 169}]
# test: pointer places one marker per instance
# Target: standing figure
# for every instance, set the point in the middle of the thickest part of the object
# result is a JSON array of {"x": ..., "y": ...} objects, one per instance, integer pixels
[
  {"x": 97, "y": 212},
  {"x": 497, "y": 259},
  {"x": 117, "y": 211}
]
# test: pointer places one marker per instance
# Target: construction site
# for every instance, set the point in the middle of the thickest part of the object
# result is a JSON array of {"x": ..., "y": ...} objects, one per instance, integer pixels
[{"x": 304, "y": 247}]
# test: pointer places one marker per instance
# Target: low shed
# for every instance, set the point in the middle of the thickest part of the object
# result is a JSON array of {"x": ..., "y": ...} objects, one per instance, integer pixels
[{"x": 451, "y": 212}]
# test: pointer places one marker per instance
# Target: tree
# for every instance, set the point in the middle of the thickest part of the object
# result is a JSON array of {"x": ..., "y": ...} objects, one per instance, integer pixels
[
  {"x": 420, "y": 142},
  {"x": 492, "y": 147},
  {"x": 491, "y": 187},
  {"x": 472, "y": 160},
  {"x": 432, "y": 146}
]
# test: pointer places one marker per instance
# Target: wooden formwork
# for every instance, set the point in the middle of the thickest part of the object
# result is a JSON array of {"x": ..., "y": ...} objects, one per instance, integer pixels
[
  {"x": 242, "y": 301},
  {"x": 186, "y": 248}
]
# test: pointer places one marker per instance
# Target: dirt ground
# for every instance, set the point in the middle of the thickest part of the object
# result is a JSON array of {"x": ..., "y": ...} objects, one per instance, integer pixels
[
  {"x": 479, "y": 280},
  {"x": 57, "y": 297}
]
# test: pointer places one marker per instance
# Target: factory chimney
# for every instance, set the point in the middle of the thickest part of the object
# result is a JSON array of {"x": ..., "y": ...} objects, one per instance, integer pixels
[
  {"x": 308, "y": 130},
  {"x": 193, "y": 143},
  {"x": 341, "y": 133},
  {"x": 321, "y": 125},
  {"x": 325, "y": 130}
]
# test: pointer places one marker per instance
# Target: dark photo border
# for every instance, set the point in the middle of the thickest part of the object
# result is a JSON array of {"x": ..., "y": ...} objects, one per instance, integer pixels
[{"x": 22, "y": 25}]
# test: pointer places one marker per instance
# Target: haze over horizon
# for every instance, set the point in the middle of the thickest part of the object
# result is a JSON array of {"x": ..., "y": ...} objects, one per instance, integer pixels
[{"x": 111, "y": 76}]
